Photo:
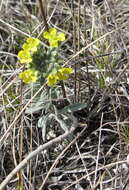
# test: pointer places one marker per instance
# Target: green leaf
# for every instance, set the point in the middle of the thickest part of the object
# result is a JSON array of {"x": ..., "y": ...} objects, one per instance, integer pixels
[
  {"x": 73, "y": 107},
  {"x": 63, "y": 125},
  {"x": 40, "y": 102},
  {"x": 42, "y": 123},
  {"x": 46, "y": 121}
]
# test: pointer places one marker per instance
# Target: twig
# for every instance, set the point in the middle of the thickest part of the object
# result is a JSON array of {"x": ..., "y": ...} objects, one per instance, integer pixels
[{"x": 91, "y": 173}]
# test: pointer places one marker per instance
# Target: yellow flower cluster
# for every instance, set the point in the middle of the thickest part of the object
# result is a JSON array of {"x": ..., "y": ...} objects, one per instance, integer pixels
[
  {"x": 26, "y": 57},
  {"x": 28, "y": 76},
  {"x": 53, "y": 37},
  {"x": 61, "y": 74},
  {"x": 28, "y": 48}
]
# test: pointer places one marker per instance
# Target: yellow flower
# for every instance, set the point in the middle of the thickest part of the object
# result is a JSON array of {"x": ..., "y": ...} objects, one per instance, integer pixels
[
  {"x": 24, "y": 56},
  {"x": 31, "y": 44},
  {"x": 52, "y": 80},
  {"x": 28, "y": 76},
  {"x": 66, "y": 70},
  {"x": 61, "y": 76},
  {"x": 63, "y": 73},
  {"x": 53, "y": 37}
]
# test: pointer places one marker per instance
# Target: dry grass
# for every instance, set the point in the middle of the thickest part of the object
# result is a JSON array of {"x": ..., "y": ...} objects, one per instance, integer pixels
[{"x": 97, "y": 47}]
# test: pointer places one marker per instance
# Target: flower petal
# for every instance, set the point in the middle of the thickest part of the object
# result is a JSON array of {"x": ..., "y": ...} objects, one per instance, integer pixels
[
  {"x": 66, "y": 70},
  {"x": 61, "y": 37},
  {"x": 61, "y": 76},
  {"x": 53, "y": 43},
  {"x": 53, "y": 31},
  {"x": 52, "y": 80},
  {"x": 46, "y": 35}
]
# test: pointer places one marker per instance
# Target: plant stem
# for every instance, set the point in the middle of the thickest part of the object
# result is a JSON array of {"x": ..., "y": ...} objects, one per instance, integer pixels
[
  {"x": 63, "y": 89},
  {"x": 43, "y": 14}
]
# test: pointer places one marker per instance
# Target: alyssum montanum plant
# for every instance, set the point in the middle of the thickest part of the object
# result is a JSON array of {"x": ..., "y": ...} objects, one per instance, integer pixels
[{"x": 42, "y": 64}]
